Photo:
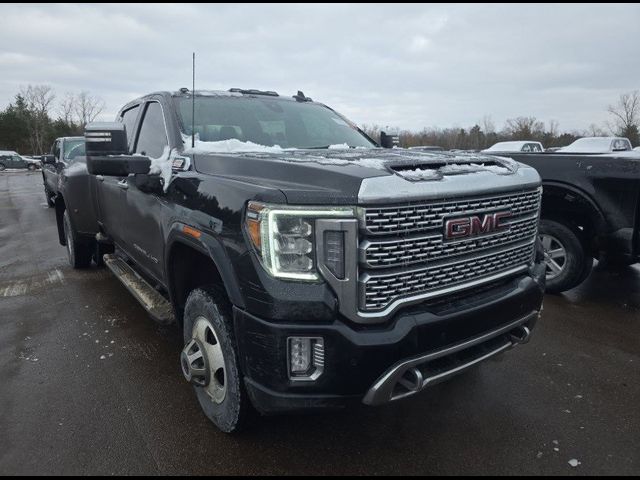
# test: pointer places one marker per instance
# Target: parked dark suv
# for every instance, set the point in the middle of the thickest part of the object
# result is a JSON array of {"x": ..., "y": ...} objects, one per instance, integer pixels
[{"x": 13, "y": 160}]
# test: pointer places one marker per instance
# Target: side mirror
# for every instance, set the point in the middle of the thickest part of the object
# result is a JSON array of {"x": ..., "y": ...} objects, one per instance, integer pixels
[
  {"x": 389, "y": 140},
  {"x": 107, "y": 151},
  {"x": 48, "y": 160}
]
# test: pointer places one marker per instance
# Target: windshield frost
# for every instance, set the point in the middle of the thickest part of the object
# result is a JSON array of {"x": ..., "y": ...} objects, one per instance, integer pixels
[{"x": 268, "y": 122}]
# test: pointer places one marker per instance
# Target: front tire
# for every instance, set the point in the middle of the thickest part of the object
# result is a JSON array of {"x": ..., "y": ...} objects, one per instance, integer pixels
[
  {"x": 208, "y": 333},
  {"x": 78, "y": 253},
  {"x": 568, "y": 262}
]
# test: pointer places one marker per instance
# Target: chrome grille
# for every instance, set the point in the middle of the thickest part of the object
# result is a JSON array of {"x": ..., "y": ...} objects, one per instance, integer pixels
[
  {"x": 422, "y": 217},
  {"x": 404, "y": 254},
  {"x": 410, "y": 251},
  {"x": 380, "y": 290}
]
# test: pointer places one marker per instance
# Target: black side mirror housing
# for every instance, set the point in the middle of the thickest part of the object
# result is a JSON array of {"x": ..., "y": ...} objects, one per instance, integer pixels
[
  {"x": 107, "y": 151},
  {"x": 105, "y": 138},
  {"x": 389, "y": 140}
]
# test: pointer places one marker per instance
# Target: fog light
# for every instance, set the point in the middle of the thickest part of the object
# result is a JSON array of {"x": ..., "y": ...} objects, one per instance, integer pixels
[{"x": 306, "y": 358}]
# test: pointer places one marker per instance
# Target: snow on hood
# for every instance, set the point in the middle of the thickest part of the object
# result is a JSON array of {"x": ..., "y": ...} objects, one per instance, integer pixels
[
  {"x": 505, "y": 167},
  {"x": 410, "y": 164}
]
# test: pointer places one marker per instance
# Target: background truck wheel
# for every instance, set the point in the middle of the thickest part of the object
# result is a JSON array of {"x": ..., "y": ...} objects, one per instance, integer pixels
[
  {"x": 49, "y": 196},
  {"x": 78, "y": 252},
  {"x": 209, "y": 359},
  {"x": 568, "y": 263},
  {"x": 31, "y": 167},
  {"x": 2, "y": 167}
]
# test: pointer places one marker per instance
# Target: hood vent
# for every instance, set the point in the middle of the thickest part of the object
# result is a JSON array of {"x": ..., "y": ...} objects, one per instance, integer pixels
[{"x": 438, "y": 170}]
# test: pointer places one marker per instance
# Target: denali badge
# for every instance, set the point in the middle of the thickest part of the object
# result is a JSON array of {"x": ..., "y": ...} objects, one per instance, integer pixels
[{"x": 475, "y": 225}]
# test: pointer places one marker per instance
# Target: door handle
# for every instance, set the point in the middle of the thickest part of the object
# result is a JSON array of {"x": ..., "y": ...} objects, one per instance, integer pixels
[
  {"x": 123, "y": 185},
  {"x": 100, "y": 178}
]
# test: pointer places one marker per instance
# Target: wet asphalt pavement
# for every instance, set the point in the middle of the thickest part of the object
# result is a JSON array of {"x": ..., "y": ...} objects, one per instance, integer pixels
[{"x": 90, "y": 385}]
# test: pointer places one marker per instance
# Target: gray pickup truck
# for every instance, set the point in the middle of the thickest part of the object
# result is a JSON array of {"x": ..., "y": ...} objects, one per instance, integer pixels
[{"x": 65, "y": 152}]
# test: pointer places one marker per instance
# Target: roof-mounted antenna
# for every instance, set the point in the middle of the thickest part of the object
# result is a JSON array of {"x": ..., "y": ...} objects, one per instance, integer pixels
[
  {"x": 193, "y": 102},
  {"x": 300, "y": 97}
]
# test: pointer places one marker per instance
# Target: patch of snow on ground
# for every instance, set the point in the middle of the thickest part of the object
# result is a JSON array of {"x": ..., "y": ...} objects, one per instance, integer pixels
[
  {"x": 341, "y": 146},
  {"x": 574, "y": 463}
]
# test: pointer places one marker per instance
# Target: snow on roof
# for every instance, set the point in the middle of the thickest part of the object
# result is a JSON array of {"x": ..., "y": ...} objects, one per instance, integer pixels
[
  {"x": 514, "y": 146},
  {"x": 593, "y": 145}
]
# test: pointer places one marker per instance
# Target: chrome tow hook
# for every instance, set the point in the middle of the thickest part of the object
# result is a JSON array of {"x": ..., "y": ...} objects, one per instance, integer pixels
[
  {"x": 520, "y": 335},
  {"x": 195, "y": 366}
]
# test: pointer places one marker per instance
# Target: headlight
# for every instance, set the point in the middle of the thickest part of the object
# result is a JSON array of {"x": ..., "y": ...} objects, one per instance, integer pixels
[{"x": 284, "y": 237}]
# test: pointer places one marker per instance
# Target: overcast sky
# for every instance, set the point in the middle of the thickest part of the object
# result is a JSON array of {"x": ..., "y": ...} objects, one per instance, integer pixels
[{"x": 408, "y": 66}]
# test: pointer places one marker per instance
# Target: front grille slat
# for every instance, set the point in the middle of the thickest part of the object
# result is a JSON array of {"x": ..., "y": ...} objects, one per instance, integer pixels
[
  {"x": 411, "y": 251},
  {"x": 388, "y": 220},
  {"x": 404, "y": 253},
  {"x": 381, "y": 290}
]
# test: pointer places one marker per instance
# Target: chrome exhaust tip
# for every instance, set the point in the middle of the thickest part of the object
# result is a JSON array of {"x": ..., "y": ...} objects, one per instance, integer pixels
[{"x": 520, "y": 335}]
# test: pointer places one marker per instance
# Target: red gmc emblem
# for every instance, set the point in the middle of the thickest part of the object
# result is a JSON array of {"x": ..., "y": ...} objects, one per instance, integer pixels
[{"x": 475, "y": 225}]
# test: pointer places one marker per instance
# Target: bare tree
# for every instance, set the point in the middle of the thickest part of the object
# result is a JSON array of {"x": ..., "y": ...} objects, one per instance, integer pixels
[
  {"x": 39, "y": 100},
  {"x": 87, "y": 107},
  {"x": 626, "y": 115},
  {"x": 595, "y": 131},
  {"x": 553, "y": 128},
  {"x": 487, "y": 124},
  {"x": 66, "y": 108},
  {"x": 524, "y": 128}
]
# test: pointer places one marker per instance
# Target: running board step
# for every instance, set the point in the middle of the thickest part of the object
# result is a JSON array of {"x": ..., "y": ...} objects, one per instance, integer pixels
[{"x": 155, "y": 304}]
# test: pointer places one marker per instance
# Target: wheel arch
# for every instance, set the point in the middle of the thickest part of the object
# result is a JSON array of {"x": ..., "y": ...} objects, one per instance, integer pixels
[
  {"x": 191, "y": 263},
  {"x": 565, "y": 202}
]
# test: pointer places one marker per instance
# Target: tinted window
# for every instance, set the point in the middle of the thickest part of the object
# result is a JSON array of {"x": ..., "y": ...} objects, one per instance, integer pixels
[
  {"x": 129, "y": 117},
  {"x": 268, "y": 121},
  {"x": 73, "y": 149},
  {"x": 152, "y": 139}
]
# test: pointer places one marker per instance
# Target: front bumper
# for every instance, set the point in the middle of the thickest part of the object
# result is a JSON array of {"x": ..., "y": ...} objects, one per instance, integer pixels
[{"x": 422, "y": 345}]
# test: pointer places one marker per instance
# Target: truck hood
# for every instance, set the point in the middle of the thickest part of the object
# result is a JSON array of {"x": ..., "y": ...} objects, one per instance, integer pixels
[{"x": 365, "y": 176}]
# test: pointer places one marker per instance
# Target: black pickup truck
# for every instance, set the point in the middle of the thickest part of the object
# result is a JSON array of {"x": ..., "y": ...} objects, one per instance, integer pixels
[
  {"x": 65, "y": 152},
  {"x": 590, "y": 209},
  {"x": 308, "y": 267}
]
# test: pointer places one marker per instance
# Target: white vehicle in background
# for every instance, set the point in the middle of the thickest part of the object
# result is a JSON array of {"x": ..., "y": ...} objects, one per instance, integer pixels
[
  {"x": 637, "y": 149},
  {"x": 598, "y": 145},
  {"x": 515, "y": 147}
]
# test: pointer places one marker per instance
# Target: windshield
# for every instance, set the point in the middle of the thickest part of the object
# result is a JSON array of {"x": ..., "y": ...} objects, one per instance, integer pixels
[
  {"x": 73, "y": 149},
  {"x": 268, "y": 122}
]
